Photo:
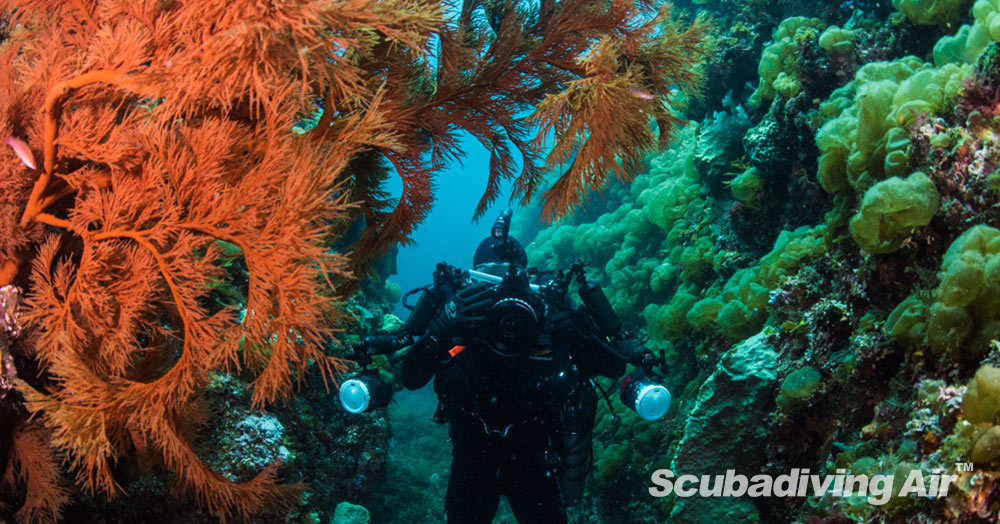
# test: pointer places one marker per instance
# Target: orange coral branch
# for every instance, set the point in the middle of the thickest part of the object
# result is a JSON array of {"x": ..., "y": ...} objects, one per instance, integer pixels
[
  {"x": 34, "y": 464},
  {"x": 52, "y": 101},
  {"x": 49, "y": 200},
  {"x": 46, "y": 218},
  {"x": 329, "y": 365},
  {"x": 325, "y": 118},
  {"x": 197, "y": 137},
  {"x": 148, "y": 388},
  {"x": 86, "y": 13}
]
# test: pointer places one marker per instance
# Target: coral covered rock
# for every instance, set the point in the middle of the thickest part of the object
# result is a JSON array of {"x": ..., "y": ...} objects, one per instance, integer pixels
[{"x": 725, "y": 430}]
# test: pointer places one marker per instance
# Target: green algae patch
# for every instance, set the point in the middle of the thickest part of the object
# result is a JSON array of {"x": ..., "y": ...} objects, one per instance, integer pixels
[{"x": 801, "y": 383}]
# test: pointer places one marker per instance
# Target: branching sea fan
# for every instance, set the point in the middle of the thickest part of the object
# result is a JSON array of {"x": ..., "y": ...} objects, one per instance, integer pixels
[{"x": 164, "y": 132}]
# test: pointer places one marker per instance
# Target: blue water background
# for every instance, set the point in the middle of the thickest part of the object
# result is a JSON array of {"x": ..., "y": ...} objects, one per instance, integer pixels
[{"x": 449, "y": 234}]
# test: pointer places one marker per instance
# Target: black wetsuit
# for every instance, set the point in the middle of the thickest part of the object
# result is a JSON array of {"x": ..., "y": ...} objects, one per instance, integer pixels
[{"x": 511, "y": 419}]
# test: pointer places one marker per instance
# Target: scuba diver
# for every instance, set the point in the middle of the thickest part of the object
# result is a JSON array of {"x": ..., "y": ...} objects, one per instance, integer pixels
[{"x": 512, "y": 363}]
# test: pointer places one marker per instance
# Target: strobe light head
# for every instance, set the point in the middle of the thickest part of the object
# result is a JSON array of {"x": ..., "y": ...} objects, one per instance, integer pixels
[
  {"x": 364, "y": 392},
  {"x": 645, "y": 395}
]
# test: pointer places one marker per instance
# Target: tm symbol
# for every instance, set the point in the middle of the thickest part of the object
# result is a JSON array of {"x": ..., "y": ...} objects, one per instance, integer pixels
[{"x": 963, "y": 466}]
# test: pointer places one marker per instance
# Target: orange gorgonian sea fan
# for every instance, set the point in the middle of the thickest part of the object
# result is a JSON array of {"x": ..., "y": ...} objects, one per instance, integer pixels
[
  {"x": 600, "y": 121},
  {"x": 162, "y": 132}
]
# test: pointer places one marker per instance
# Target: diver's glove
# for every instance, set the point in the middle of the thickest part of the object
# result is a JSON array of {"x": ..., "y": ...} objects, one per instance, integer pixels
[
  {"x": 635, "y": 353},
  {"x": 465, "y": 309}
]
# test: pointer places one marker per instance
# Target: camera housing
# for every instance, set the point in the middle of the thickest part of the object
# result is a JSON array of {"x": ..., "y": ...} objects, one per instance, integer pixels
[{"x": 515, "y": 320}]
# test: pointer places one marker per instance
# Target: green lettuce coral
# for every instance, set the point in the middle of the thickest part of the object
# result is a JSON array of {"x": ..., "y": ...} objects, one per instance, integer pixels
[
  {"x": 836, "y": 40},
  {"x": 865, "y": 134},
  {"x": 964, "y": 312},
  {"x": 647, "y": 241},
  {"x": 739, "y": 308},
  {"x": 981, "y": 407}
]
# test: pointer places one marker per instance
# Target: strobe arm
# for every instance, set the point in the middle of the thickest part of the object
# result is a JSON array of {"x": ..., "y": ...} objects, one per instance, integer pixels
[{"x": 378, "y": 344}]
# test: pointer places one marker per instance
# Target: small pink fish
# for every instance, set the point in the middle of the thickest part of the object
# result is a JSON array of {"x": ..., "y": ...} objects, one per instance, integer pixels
[
  {"x": 22, "y": 150},
  {"x": 641, "y": 93}
]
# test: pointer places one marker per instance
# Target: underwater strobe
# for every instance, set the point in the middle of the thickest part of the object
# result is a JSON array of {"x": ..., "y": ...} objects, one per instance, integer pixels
[
  {"x": 644, "y": 394},
  {"x": 365, "y": 392}
]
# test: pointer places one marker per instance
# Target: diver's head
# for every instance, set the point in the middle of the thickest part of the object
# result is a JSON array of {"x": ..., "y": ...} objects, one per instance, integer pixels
[{"x": 498, "y": 250}]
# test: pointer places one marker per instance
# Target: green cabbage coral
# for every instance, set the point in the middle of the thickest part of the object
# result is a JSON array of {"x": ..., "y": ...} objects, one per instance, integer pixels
[
  {"x": 836, "y": 40},
  {"x": 673, "y": 189},
  {"x": 964, "y": 314},
  {"x": 669, "y": 320},
  {"x": 981, "y": 406},
  {"x": 970, "y": 40},
  {"x": 739, "y": 309},
  {"x": 779, "y": 64},
  {"x": 864, "y": 136},
  {"x": 981, "y": 402},
  {"x": 891, "y": 210},
  {"x": 931, "y": 12},
  {"x": 644, "y": 244}
]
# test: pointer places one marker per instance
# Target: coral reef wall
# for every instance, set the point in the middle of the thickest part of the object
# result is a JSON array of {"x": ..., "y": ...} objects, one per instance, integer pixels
[{"x": 816, "y": 257}]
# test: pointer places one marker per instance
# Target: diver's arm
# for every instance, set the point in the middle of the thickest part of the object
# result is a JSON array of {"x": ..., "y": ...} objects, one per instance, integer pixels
[
  {"x": 593, "y": 356},
  {"x": 601, "y": 357},
  {"x": 596, "y": 354},
  {"x": 421, "y": 362},
  {"x": 463, "y": 312},
  {"x": 607, "y": 358}
]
